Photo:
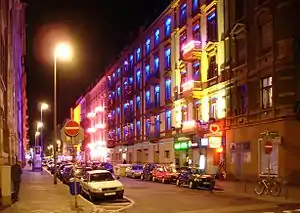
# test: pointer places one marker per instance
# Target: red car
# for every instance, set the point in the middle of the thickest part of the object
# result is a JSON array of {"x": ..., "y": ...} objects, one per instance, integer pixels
[{"x": 164, "y": 174}]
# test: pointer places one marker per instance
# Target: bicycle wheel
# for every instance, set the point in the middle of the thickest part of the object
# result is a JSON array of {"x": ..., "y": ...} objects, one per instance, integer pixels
[
  {"x": 259, "y": 188},
  {"x": 275, "y": 188}
]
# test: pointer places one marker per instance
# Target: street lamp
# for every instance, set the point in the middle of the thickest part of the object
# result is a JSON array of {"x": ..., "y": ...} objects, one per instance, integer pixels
[
  {"x": 37, "y": 134},
  {"x": 62, "y": 51},
  {"x": 39, "y": 125},
  {"x": 44, "y": 106}
]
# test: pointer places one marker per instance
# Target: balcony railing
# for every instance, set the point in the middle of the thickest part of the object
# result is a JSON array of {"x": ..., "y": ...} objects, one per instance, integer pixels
[
  {"x": 191, "y": 89},
  {"x": 191, "y": 51}
]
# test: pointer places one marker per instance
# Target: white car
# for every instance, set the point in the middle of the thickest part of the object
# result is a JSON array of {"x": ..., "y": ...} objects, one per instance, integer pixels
[{"x": 101, "y": 183}]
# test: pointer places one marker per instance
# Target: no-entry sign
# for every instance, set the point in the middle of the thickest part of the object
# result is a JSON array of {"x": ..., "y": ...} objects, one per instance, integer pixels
[
  {"x": 72, "y": 128},
  {"x": 268, "y": 147}
]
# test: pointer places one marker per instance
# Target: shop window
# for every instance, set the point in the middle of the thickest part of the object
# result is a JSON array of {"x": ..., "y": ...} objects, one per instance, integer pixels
[
  {"x": 212, "y": 69},
  {"x": 267, "y": 93},
  {"x": 167, "y": 154}
]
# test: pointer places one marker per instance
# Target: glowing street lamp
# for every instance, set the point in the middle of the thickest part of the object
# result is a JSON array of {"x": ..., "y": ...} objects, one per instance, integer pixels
[
  {"x": 39, "y": 125},
  {"x": 44, "y": 106},
  {"x": 62, "y": 51}
]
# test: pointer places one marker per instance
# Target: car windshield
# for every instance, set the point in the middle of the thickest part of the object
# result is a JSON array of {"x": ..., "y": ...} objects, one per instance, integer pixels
[
  {"x": 137, "y": 167},
  {"x": 105, "y": 176}
]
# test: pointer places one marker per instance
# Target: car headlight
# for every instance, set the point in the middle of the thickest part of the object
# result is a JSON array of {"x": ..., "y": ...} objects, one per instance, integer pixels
[
  {"x": 97, "y": 190},
  {"x": 121, "y": 188}
]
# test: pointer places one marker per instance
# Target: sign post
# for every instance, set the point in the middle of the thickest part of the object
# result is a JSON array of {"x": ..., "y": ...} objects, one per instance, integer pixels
[{"x": 71, "y": 129}]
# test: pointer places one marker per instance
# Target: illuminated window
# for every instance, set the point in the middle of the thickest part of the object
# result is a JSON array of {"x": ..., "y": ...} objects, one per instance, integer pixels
[
  {"x": 183, "y": 76},
  {"x": 125, "y": 66},
  {"x": 156, "y": 64},
  {"x": 184, "y": 112},
  {"x": 168, "y": 89},
  {"x": 119, "y": 134},
  {"x": 147, "y": 71},
  {"x": 138, "y": 128},
  {"x": 168, "y": 120},
  {"x": 212, "y": 33},
  {"x": 114, "y": 77},
  {"x": 138, "y": 54},
  {"x": 213, "y": 111},
  {"x": 131, "y": 62},
  {"x": 183, "y": 16},
  {"x": 212, "y": 69},
  {"x": 267, "y": 93},
  {"x": 138, "y": 79},
  {"x": 168, "y": 58},
  {"x": 119, "y": 92},
  {"x": 156, "y": 37},
  {"x": 119, "y": 73},
  {"x": 196, "y": 31},
  {"x": 138, "y": 103},
  {"x": 131, "y": 107},
  {"x": 168, "y": 23},
  {"x": 197, "y": 108},
  {"x": 157, "y": 96},
  {"x": 157, "y": 124},
  {"x": 241, "y": 97},
  {"x": 196, "y": 6},
  {"x": 148, "y": 127},
  {"x": 131, "y": 130},
  {"x": 196, "y": 71},
  {"x": 182, "y": 39},
  {"x": 148, "y": 98},
  {"x": 147, "y": 46}
]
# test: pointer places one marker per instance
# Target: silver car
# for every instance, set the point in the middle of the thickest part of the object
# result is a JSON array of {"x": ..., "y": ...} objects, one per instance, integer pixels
[{"x": 134, "y": 171}]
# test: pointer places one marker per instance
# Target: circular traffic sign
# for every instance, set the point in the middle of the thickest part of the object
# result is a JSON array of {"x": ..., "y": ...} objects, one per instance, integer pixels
[
  {"x": 268, "y": 147},
  {"x": 72, "y": 128}
]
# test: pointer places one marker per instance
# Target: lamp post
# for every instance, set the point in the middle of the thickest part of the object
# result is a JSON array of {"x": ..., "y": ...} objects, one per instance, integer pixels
[
  {"x": 44, "y": 106},
  {"x": 62, "y": 51}
]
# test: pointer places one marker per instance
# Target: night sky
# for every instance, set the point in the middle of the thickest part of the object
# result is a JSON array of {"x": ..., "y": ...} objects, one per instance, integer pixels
[{"x": 98, "y": 31}]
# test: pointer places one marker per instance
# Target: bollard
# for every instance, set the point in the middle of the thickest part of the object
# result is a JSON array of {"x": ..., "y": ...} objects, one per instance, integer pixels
[{"x": 6, "y": 185}]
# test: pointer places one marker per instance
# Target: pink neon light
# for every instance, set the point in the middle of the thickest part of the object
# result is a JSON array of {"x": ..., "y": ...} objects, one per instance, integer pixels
[{"x": 191, "y": 45}]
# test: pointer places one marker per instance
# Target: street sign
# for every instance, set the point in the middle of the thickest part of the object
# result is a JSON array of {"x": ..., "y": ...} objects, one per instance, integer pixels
[
  {"x": 268, "y": 147},
  {"x": 67, "y": 139},
  {"x": 72, "y": 128}
]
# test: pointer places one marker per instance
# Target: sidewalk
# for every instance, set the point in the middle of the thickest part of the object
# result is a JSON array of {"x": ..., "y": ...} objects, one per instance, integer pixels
[
  {"x": 246, "y": 188},
  {"x": 38, "y": 194}
]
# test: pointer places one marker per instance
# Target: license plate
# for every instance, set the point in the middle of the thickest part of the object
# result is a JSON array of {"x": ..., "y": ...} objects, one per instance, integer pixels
[
  {"x": 206, "y": 183},
  {"x": 109, "y": 193}
]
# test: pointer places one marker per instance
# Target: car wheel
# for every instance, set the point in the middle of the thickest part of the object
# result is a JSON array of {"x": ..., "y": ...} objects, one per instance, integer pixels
[
  {"x": 153, "y": 179},
  {"x": 142, "y": 177},
  {"x": 163, "y": 181},
  {"x": 178, "y": 182},
  {"x": 191, "y": 184}
]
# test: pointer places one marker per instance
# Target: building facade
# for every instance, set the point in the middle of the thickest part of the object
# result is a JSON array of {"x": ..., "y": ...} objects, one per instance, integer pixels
[{"x": 13, "y": 102}]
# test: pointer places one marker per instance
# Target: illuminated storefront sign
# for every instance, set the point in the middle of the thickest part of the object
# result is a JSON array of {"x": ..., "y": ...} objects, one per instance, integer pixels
[
  {"x": 182, "y": 145},
  {"x": 204, "y": 142},
  {"x": 76, "y": 114},
  {"x": 215, "y": 142}
]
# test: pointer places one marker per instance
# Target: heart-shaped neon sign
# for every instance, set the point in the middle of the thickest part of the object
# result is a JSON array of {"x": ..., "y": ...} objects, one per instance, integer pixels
[{"x": 214, "y": 128}]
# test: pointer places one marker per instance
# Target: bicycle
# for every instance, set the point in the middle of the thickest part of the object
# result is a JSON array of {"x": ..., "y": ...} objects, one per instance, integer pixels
[{"x": 268, "y": 185}]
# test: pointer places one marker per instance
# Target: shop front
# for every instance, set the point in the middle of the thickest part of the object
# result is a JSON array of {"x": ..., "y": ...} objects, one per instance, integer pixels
[{"x": 182, "y": 152}]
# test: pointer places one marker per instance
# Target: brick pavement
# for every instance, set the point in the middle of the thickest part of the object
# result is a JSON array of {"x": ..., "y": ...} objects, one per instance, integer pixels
[
  {"x": 38, "y": 194},
  {"x": 246, "y": 188}
]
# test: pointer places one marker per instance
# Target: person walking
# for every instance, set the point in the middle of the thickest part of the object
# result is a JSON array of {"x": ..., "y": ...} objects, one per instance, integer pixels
[{"x": 16, "y": 172}]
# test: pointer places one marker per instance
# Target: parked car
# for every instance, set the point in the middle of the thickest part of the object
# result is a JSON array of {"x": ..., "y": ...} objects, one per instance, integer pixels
[
  {"x": 193, "y": 178},
  {"x": 66, "y": 173},
  {"x": 164, "y": 174},
  {"x": 134, "y": 171},
  {"x": 101, "y": 183},
  {"x": 107, "y": 166},
  {"x": 60, "y": 170},
  {"x": 147, "y": 171}
]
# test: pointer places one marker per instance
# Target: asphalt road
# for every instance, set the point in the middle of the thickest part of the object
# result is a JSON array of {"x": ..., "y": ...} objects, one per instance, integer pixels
[{"x": 150, "y": 197}]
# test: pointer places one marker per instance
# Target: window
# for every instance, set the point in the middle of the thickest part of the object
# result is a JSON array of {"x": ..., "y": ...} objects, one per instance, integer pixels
[
  {"x": 157, "y": 96},
  {"x": 265, "y": 30},
  {"x": 212, "y": 69},
  {"x": 148, "y": 127},
  {"x": 131, "y": 130},
  {"x": 168, "y": 58},
  {"x": 183, "y": 76},
  {"x": 147, "y": 71},
  {"x": 125, "y": 66},
  {"x": 119, "y": 92},
  {"x": 182, "y": 40},
  {"x": 183, "y": 15},
  {"x": 138, "y": 54},
  {"x": 156, "y": 64},
  {"x": 213, "y": 113},
  {"x": 130, "y": 80},
  {"x": 131, "y": 107},
  {"x": 119, "y": 73},
  {"x": 168, "y": 27},
  {"x": 239, "y": 9},
  {"x": 131, "y": 62},
  {"x": 184, "y": 112},
  {"x": 196, "y": 32},
  {"x": 114, "y": 77},
  {"x": 167, "y": 154},
  {"x": 118, "y": 111},
  {"x": 212, "y": 26},
  {"x": 148, "y": 98},
  {"x": 138, "y": 128},
  {"x": 138, "y": 103},
  {"x": 125, "y": 132},
  {"x": 240, "y": 51},
  {"x": 119, "y": 134},
  {"x": 195, "y": 7},
  {"x": 168, "y": 120},
  {"x": 138, "y": 79},
  {"x": 198, "y": 114},
  {"x": 157, "y": 124},
  {"x": 196, "y": 71},
  {"x": 241, "y": 100},
  {"x": 147, "y": 46},
  {"x": 156, "y": 37},
  {"x": 267, "y": 93},
  {"x": 168, "y": 89}
]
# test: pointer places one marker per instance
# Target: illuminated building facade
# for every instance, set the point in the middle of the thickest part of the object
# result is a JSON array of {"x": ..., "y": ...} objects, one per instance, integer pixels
[
  {"x": 13, "y": 101},
  {"x": 95, "y": 106},
  {"x": 262, "y": 39}
]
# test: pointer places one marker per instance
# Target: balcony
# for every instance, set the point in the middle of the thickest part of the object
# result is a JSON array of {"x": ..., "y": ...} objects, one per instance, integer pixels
[
  {"x": 153, "y": 78},
  {"x": 193, "y": 126},
  {"x": 152, "y": 108},
  {"x": 191, "y": 51},
  {"x": 191, "y": 89},
  {"x": 111, "y": 143}
]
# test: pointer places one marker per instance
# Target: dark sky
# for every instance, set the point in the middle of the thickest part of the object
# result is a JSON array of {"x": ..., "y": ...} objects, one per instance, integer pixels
[{"x": 98, "y": 29}]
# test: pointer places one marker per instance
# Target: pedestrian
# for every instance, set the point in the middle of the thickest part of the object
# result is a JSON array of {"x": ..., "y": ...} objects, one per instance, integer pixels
[
  {"x": 16, "y": 171},
  {"x": 124, "y": 161},
  {"x": 30, "y": 162}
]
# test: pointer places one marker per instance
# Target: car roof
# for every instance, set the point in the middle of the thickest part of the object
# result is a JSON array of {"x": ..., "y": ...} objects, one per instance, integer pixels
[{"x": 97, "y": 171}]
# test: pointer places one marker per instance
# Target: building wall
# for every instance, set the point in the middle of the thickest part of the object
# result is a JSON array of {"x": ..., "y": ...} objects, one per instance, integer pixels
[{"x": 12, "y": 47}]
